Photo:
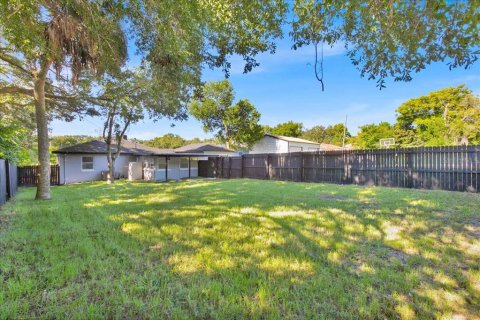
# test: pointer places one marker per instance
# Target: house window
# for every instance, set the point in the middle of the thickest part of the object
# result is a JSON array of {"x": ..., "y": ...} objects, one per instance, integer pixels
[
  {"x": 149, "y": 163},
  {"x": 87, "y": 163},
  {"x": 183, "y": 163},
  {"x": 161, "y": 163}
]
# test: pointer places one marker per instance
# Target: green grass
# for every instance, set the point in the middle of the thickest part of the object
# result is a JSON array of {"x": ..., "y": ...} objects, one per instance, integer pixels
[{"x": 240, "y": 249}]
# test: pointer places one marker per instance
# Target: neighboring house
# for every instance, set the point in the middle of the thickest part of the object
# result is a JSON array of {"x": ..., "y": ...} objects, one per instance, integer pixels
[
  {"x": 270, "y": 143},
  {"x": 332, "y": 147},
  {"x": 88, "y": 161},
  {"x": 206, "y": 149}
]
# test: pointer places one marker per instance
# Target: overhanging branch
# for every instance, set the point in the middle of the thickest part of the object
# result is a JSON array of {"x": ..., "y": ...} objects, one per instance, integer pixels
[{"x": 15, "y": 63}]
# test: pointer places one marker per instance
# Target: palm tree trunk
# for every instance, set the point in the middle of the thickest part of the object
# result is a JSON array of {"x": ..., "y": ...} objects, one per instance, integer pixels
[{"x": 43, "y": 185}]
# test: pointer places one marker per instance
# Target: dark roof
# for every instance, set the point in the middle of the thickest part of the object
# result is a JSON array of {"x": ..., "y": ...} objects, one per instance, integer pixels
[
  {"x": 128, "y": 147},
  {"x": 202, "y": 147},
  {"x": 291, "y": 139}
]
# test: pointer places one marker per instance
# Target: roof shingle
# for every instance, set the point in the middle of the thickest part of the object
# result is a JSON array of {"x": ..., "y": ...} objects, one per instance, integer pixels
[{"x": 202, "y": 147}]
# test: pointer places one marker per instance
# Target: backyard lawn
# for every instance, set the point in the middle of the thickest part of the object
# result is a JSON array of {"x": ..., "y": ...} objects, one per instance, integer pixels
[{"x": 240, "y": 249}]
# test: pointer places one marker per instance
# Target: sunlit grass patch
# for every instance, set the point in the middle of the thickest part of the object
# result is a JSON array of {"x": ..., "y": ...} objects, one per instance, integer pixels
[{"x": 240, "y": 249}]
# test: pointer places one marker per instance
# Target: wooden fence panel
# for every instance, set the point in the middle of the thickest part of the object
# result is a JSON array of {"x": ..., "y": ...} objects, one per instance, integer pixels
[
  {"x": 12, "y": 183},
  {"x": 8, "y": 181},
  {"x": 28, "y": 175},
  {"x": 255, "y": 166},
  {"x": 3, "y": 182},
  {"x": 447, "y": 168}
]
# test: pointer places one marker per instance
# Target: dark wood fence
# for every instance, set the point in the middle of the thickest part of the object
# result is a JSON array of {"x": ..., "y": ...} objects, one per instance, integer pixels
[
  {"x": 8, "y": 181},
  {"x": 446, "y": 168},
  {"x": 28, "y": 176}
]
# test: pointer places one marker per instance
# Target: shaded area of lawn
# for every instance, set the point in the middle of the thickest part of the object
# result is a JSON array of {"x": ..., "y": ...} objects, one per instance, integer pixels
[{"x": 240, "y": 248}]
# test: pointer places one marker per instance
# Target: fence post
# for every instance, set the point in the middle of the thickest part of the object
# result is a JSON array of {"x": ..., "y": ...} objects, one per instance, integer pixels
[
  {"x": 301, "y": 167},
  {"x": 268, "y": 166},
  {"x": 241, "y": 166},
  {"x": 229, "y": 167},
  {"x": 409, "y": 169},
  {"x": 7, "y": 179}
]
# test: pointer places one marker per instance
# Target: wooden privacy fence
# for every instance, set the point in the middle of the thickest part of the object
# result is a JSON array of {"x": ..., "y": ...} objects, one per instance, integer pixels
[
  {"x": 8, "y": 180},
  {"x": 28, "y": 175},
  {"x": 447, "y": 168}
]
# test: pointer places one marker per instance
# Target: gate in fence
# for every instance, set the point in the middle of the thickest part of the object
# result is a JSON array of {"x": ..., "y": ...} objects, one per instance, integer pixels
[{"x": 446, "y": 168}]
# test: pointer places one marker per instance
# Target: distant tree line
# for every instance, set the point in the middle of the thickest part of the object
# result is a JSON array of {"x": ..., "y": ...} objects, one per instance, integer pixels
[{"x": 449, "y": 116}]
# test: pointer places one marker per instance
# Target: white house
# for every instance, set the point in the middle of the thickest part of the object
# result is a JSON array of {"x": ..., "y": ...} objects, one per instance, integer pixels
[
  {"x": 270, "y": 143},
  {"x": 88, "y": 161},
  {"x": 206, "y": 149}
]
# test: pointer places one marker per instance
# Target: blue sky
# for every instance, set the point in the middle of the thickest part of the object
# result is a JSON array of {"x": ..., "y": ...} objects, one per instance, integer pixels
[{"x": 284, "y": 88}]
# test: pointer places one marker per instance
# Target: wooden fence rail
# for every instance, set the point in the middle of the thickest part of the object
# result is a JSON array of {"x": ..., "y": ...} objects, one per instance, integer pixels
[
  {"x": 28, "y": 175},
  {"x": 446, "y": 168}
]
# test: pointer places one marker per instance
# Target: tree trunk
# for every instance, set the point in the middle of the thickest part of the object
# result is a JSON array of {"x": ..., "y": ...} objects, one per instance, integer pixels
[
  {"x": 43, "y": 186},
  {"x": 111, "y": 165},
  {"x": 108, "y": 141}
]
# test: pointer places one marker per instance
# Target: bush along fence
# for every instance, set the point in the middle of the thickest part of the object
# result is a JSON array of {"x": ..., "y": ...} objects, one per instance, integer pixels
[
  {"x": 8, "y": 181},
  {"x": 28, "y": 175},
  {"x": 446, "y": 168}
]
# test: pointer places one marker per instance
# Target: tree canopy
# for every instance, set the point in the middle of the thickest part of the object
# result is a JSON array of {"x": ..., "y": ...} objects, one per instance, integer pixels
[
  {"x": 236, "y": 125},
  {"x": 287, "y": 129},
  {"x": 392, "y": 39},
  {"x": 332, "y": 134},
  {"x": 450, "y": 116},
  {"x": 167, "y": 141},
  {"x": 370, "y": 134},
  {"x": 48, "y": 47}
]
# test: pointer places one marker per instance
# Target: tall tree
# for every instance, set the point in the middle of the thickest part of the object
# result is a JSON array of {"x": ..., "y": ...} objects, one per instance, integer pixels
[
  {"x": 235, "y": 125},
  {"x": 316, "y": 134},
  {"x": 332, "y": 134},
  {"x": 449, "y": 116},
  {"x": 167, "y": 141},
  {"x": 370, "y": 135},
  {"x": 126, "y": 99},
  {"x": 40, "y": 36},
  {"x": 391, "y": 38},
  {"x": 288, "y": 129},
  {"x": 13, "y": 138}
]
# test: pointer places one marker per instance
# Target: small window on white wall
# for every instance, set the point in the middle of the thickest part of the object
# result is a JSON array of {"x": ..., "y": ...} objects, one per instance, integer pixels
[
  {"x": 183, "y": 163},
  {"x": 87, "y": 163},
  {"x": 161, "y": 163}
]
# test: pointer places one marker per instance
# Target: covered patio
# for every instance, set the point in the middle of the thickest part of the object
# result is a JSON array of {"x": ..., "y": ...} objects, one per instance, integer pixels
[{"x": 164, "y": 167}]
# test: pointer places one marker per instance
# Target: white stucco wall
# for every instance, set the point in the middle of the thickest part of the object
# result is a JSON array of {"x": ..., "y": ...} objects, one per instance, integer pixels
[
  {"x": 270, "y": 145},
  {"x": 299, "y": 146},
  {"x": 71, "y": 167}
]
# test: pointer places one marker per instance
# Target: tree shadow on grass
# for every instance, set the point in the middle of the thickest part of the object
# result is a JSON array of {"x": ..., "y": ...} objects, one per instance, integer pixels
[
  {"x": 254, "y": 239},
  {"x": 261, "y": 249}
]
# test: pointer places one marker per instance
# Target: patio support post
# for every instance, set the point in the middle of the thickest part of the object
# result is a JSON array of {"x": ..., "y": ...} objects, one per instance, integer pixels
[
  {"x": 189, "y": 167},
  {"x": 166, "y": 168}
]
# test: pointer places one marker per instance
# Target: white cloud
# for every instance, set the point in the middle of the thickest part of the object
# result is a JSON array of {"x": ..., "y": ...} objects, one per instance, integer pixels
[
  {"x": 468, "y": 78},
  {"x": 285, "y": 56}
]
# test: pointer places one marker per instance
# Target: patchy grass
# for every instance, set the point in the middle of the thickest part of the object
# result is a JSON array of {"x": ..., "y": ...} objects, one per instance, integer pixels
[{"x": 240, "y": 249}]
